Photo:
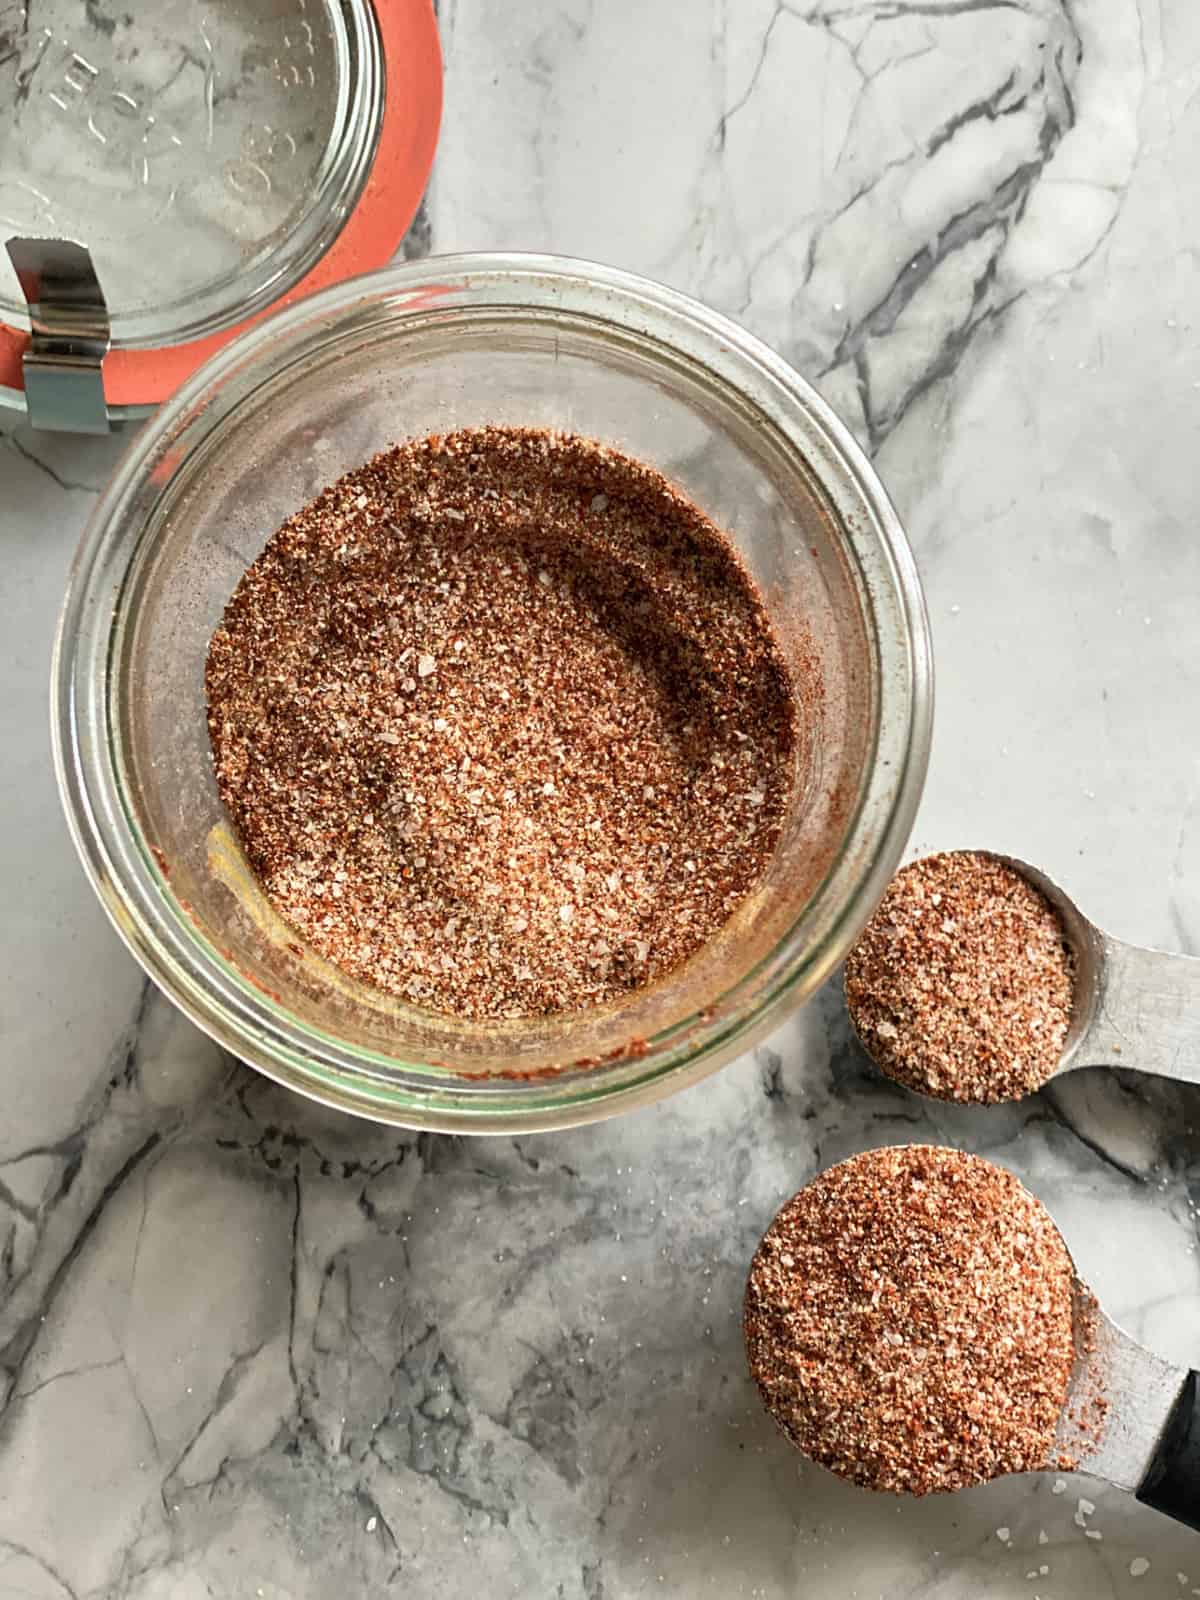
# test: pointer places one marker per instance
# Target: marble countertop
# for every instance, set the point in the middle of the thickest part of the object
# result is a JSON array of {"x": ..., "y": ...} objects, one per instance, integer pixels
[{"x": 249, "y": 1348}]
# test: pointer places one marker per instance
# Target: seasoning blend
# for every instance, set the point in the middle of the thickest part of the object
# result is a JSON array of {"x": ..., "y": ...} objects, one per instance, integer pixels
[
  {"x": 908, "y": 1322},
  {"x": 501, "y": 723},
  {"x": 961, "y": 984}
]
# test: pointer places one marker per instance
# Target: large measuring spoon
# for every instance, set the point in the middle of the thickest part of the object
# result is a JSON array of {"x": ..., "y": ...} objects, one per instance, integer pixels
[
  {"x": 1132, "y": 1418},
  {"x": 851, "y": 1312}
]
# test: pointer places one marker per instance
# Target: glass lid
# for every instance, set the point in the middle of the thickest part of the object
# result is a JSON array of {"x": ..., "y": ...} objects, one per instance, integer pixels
[
  {"x": 213, "y": 157},
  {"x": 205, "y": 154}
]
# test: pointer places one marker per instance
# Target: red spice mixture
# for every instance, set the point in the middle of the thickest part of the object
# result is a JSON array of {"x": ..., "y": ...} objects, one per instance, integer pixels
[
  {"x": 501, "y": 723},
  {"x": 908, "y": 1321},
  {"x": 962, "y": 983}
]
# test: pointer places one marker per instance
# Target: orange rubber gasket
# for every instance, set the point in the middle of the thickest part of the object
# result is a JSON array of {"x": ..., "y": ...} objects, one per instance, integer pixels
[{"x": 403, "y": 158}]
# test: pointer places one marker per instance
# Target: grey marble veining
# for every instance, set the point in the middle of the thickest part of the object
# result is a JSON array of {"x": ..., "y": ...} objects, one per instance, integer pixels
[{"x": 249, "y": 1348}]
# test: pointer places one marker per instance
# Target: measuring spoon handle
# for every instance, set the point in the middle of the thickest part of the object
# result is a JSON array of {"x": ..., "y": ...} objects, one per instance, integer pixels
[
  {"x": 1172, "y": 1485},
  {"x": 1148, "y": 1013}
]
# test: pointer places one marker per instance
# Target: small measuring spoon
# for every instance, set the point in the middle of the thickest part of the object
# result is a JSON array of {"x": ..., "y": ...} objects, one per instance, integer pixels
[
  {"x": 1130, "y": 1417},
  {"x": 1133, "y": 1007}
]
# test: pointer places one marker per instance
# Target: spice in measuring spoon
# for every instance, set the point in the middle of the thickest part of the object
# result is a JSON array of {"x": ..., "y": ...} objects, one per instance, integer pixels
[
  {"x": 961, "y": 984},
  {"x": 908, "y": 1322}
]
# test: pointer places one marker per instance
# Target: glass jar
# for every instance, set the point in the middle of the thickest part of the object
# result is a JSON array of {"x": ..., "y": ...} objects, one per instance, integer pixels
[{"x": 316, "y": 390}]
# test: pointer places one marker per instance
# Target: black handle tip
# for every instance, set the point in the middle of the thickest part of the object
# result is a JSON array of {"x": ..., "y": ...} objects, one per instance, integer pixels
[{"x": 1172, "y": 1485}]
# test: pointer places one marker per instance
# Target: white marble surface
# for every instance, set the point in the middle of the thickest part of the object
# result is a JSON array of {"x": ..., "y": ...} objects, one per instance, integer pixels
[{"x": 251, "y": 1349}]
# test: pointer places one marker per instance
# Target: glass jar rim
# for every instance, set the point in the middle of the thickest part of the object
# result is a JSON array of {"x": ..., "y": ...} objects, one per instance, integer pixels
[{"x": 250, "y": 1023}]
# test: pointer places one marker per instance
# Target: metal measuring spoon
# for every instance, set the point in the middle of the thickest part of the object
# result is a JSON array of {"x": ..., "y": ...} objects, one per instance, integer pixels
[
  {"x": 1130, "y": 1417},
  {"x": 1133, "y": 1007},
  {"x": 1130, "y": 1007},
  {"x": 1127, "y": 1416}
]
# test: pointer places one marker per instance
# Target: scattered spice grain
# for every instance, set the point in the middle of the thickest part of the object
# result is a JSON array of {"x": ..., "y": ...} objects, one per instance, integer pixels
[
  {"x": 908, "y": 1321},
  {"x": 961, "y": 985},
  {"x": 502, "y": 724}
]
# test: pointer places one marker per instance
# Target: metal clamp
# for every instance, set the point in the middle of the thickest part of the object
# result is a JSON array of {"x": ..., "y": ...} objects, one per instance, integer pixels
[{"x": 64, "y": 382}]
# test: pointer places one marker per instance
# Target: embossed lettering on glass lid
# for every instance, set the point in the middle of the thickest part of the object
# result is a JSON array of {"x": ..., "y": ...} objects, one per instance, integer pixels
[{"x": 206, "y": 153}]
